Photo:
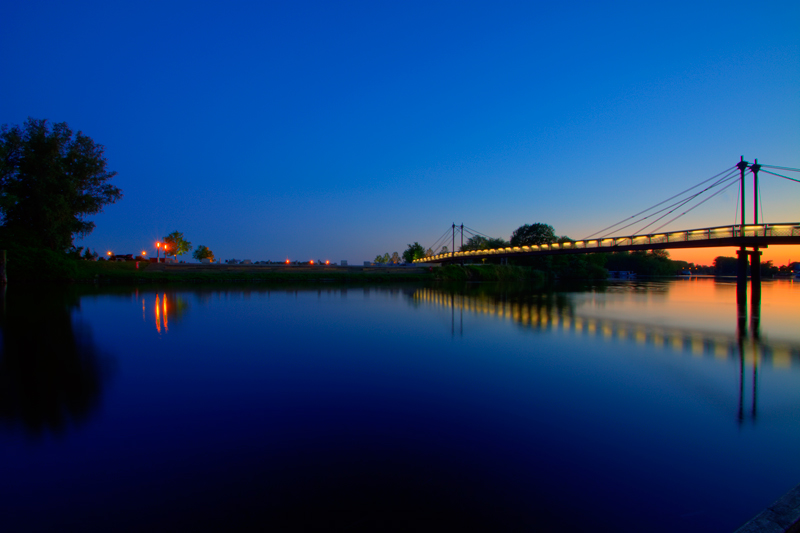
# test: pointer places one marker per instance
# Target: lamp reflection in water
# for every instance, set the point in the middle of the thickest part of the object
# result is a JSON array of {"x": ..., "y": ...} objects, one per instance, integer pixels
[
  {"x": 168, "y": 307},
  {"x": 158, "y": 314}
]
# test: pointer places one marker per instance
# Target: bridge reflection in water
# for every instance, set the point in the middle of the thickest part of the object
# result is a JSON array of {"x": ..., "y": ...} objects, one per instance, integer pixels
[{"x": 556, "y": 312}]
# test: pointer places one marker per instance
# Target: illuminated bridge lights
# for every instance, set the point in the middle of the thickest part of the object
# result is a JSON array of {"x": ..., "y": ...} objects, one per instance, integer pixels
[{"x": 791, "y": 229}]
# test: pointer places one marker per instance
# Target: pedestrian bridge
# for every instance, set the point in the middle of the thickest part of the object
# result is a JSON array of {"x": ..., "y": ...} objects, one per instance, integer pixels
[{"x": 753, "y": 235}]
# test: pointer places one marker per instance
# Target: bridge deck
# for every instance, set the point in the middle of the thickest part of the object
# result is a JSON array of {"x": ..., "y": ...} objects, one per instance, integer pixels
[{"x": 761, "y": 235}]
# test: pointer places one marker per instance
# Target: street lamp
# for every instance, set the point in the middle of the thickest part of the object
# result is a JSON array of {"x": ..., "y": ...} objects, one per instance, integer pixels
[{"x": 158, "y": 247}]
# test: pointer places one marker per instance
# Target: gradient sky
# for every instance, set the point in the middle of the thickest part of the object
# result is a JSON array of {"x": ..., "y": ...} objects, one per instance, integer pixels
[{"x": 341, "y": 130}]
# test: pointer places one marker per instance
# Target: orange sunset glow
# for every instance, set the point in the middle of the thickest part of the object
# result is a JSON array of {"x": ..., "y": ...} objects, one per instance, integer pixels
[{"x": 779, "y": 255}]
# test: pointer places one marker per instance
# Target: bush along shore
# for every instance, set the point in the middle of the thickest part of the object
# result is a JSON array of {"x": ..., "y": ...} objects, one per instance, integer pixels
[{"x": 488, "y": 273}]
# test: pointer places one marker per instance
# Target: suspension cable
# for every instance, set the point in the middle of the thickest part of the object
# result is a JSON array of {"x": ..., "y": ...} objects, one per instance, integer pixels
[
  {"x": 731, "y": 175},
  {"x": 695, "y": 206},
  {"x": 476, "y": 232},
  {"x": 660, "y": 203},
  {"x": 782, "y": 168},
  {"x": 784, "y": 177},
  {"x": 436, "y": 244},
  {"x": 680, "y": 204}
]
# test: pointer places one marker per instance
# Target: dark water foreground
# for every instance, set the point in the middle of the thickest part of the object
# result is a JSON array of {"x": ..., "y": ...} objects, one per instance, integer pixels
[{"x": 627, "y": 407}]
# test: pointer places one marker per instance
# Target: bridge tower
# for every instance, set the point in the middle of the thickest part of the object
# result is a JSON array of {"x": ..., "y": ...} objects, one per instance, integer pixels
[{"x": 745, "y": 256}]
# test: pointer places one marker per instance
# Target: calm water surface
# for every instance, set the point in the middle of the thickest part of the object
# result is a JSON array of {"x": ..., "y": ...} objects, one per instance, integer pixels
[{"x": 626, "y": 407}]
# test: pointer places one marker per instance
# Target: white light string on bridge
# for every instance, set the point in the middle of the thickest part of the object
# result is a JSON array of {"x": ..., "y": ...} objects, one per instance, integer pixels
[{"x": 726, "y": 171}]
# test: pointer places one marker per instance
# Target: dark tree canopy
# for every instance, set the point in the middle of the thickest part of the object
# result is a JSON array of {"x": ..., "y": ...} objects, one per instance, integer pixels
[
  {"x": 533, "y": 234},
  {"x": 50, "y": 180},
  {"x": 175, "y": 244},
  {"x": 414, "y": 251},
  {"x": 202, "y": 252},
  {"x": 478, "y": 242}
]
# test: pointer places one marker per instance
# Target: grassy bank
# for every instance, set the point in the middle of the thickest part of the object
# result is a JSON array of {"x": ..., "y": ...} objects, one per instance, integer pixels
[
  {"x": 26, "y": 265},
  {"x": 488, "y": 273}
]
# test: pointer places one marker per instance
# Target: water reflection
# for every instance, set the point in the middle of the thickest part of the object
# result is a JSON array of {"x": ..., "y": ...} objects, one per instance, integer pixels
[
  {"x": 51, "y": 374},
  {"x": 555, "y": 311},
  {"x": 550, "y": 311},
  {"x": 168, "y": 305}
]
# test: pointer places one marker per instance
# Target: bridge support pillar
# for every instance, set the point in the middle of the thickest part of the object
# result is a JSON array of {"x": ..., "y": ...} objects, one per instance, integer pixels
[
  {"x": 741, "y": 274},
  {"x": 755, "y": 279}
]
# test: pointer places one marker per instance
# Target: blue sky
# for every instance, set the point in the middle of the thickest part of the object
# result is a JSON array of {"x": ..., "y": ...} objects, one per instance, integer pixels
[{"x": 341, "y": 130}]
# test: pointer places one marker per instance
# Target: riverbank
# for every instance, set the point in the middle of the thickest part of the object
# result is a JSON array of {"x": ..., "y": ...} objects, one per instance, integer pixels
[
  {"x": 26, "y": 265},
  {"x": 127, "y": 272},
  {"x": 783, "y": 516}
]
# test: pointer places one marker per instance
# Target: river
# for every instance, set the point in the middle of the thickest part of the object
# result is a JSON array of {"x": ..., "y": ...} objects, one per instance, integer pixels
[{"x": 625, "y": 406}]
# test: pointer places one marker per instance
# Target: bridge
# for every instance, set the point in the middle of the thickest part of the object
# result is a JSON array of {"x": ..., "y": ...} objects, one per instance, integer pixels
[{"x": 749, "y": 238}]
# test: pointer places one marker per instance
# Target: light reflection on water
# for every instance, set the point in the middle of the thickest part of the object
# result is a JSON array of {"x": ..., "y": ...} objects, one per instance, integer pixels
[
  {"x": 621, "y": 407},
  {"x": 606, "y": 316},
  {"x": 624, "y": 312}
]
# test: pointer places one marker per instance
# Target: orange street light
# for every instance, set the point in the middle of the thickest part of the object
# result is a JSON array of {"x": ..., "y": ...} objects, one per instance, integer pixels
[
  {"x": 287, "y": 261},
  {"x": 144, "y": 253},
  {"x": 312, "y": 261},
  {"x": 108, "y": 253}
]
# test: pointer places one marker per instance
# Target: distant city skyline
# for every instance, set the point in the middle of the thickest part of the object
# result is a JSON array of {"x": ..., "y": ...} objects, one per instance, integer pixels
[{"x": 314, "y": 130}]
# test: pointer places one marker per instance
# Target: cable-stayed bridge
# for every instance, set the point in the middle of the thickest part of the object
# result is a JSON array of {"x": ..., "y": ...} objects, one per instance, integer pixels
[
  {"x": 750, "y": 235},
  {"x": 756, "y": 235}
]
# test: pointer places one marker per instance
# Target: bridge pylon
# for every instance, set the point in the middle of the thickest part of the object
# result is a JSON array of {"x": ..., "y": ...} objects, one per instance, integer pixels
[{"x": 745, "y": 256}]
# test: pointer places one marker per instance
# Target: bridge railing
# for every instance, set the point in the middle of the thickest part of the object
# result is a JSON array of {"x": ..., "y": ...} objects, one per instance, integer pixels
[{"x": 789, "y": 229}]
